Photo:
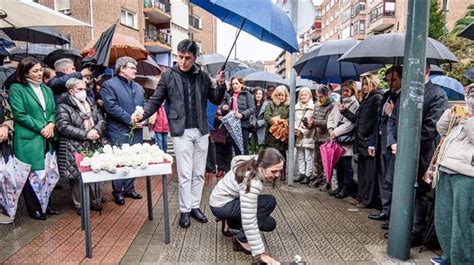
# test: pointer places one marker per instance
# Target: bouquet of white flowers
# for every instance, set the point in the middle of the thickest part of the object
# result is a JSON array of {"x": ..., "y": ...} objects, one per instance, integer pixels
[{"x": 121, "y": 159}]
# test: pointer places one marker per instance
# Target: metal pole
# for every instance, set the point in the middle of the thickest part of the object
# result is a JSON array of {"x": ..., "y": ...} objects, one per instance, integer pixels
[
  {"x": 409, "y": 129},
  {"x": 445, "y": 9},
  {"x": 291, "y": 120},
  {"x": 166, "y": 214},
  {"x": 149, "y": 200}
]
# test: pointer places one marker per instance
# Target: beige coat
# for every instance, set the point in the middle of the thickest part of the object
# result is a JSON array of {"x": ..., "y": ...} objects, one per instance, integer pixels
[
  {"x": 336, "y": 118},
  {"x": 457, "y": 153},
  {"x": 306, "y": 110}
]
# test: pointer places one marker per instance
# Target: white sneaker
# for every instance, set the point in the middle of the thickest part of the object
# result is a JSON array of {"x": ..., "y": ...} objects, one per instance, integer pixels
[{"x": 5, "y": 219}]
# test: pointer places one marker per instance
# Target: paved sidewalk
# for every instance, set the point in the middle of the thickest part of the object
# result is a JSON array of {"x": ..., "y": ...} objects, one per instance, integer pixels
[{"x": 310, "y": 223}]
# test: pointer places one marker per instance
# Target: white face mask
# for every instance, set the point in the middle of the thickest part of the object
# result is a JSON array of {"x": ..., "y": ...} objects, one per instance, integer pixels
[{"x": 81, "y": 95}]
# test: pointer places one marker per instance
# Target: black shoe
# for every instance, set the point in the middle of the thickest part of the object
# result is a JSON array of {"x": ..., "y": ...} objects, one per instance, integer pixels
[
  {"x": 184, "y": 220},
  {"x": 336, "y": 191},
  {"x": 198, "y": 215},
  {"x": 134, "y": 195},
  {"x": 237, "y": 247},
  {"x": 326, "y": 187},
  {"x": 385, "y": 226},
  {"x": 37, "y": 215},
  {"x": 379, "y": 216},
  {"x": 342, "y": 194},
  {"x": 225, "y": 231},
  {"x": 119, "y": 200},
  {"x": 52, "y": 211},
  {"x": 306, "y": 180},
  {"x": 78, "y": 211},
  {"x": 299, "y": 178}
]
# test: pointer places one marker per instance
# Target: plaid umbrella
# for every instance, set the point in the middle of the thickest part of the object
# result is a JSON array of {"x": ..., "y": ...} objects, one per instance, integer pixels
[
  {"x": 43, "y": 181},
  {"x": 13, "y": 176},
  {"x": 39, "y": 51},
  {"x": 232, "y": 124}
]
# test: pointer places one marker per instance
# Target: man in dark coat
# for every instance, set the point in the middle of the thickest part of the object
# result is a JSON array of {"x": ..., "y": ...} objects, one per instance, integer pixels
[
  {"x": 434, "y": 104},
  {"x": 121, "y": 96},
  {"x": 384, "y": 158},
  {"x": 186, "y": 89},
  {"x": 65, "y": 70}
]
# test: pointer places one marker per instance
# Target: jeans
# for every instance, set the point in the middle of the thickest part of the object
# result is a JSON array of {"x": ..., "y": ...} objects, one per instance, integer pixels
[{"x": 162, "y": 140}]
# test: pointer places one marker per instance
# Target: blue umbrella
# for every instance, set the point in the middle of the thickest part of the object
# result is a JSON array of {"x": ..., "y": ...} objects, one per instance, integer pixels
[
  {"x": 261, "y": 19},
  {"x": 453, "y": 88}
]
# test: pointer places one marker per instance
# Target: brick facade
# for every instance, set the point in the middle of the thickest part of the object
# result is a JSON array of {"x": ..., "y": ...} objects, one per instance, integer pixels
[{"x": 208, "y": 34}]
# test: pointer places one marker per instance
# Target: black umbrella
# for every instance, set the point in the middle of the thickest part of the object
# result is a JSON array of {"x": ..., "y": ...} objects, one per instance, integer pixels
[
  {"x": 38, "y": 51},
  {"x": 99, "y": 54},
  {"x": 148, "y": 67},
  {"x": 468, "y": 32},
  {"x": 47, "y": 35},
  {"x": 243, "y": 73},
  {"x": 389, "y": 49},
  {"x": 72, "y": 54}
]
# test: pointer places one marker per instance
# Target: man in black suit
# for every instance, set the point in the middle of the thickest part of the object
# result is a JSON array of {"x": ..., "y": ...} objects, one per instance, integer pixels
[
  {"x": 187, "y": 88},
  {"x": 385, "y": 158},
  {"x": 434, "y": 104}
]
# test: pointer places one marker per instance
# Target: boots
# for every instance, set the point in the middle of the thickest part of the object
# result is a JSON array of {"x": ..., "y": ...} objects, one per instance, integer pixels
[
  {"x": 299, "y": 178},
  {"x": 342, "y": 194},
  {"x": 305, "y": 180},
  {"x": 336, "y": 191}
]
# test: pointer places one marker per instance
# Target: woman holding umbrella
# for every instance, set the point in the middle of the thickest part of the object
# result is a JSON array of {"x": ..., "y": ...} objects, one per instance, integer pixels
[
  {"x": 365, "y": 119},
  {"x": 34, "y": 112}
]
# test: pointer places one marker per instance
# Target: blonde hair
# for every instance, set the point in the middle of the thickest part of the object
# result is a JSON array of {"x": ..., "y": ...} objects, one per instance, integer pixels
[
  {"x": 373, "y": 82},
  {"x": 308, "y": 90},
  {"x": 351, "y": 84},
  {"x": 278, "y": 90}
]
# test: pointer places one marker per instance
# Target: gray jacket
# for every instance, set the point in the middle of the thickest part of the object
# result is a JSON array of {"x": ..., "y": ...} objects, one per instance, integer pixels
[{"x": 261, "y": 124}]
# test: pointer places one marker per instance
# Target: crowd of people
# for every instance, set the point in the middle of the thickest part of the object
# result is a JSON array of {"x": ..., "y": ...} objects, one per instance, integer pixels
[{"x": 68, "y": 111}]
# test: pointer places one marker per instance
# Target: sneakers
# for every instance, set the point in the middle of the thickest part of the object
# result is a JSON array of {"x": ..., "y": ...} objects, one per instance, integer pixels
[
  {"x": 438, "y": 261},
  {"x": 5, "y": 219}
]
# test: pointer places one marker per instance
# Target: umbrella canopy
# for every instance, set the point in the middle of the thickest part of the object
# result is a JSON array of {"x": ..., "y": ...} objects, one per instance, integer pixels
[
  {"x": 43, "y": 181},
  {"x": 321, "y": 63},
  {"x": 331, "y": 151},
  {"x": 468, "y": 32},
  {"x": 13, "y": 176},
  {"x": 264, "y": 79},
  {"x": 212, "y": 64},
  {"x": 148, "y": 67},
  {"x": 39, "y": 51},
  {"x": 453, "y": 88},
  {"x": 99, "y": 54},
  {"x": 122, "y": 45},
  {"x": 5, "y": 43},
  {"x": 47, "y": 35},
  {"x": 469, "y": 74},
  {"x": 243, "y": 73},
  {"x": 261, "y": 19},
  {"x": 148, "y": 82},
  {"x": 436, "y": 70},
  {"x": 389, "y": 49},
  {"x": 234, "y": 128},
  {"x": 25, "y": 13},
  {"x": 72, "y": 54}
]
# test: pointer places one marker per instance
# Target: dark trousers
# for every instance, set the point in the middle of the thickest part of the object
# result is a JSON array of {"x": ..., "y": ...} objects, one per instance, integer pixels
[
  {"x": 245, "y": 138},
  {"x": 31, "y": 200},
  {"x": 344, "y": 172},
  {"x": 211, "y": 158},
  {"x": 122, "y": 186},
  {"x": 385, "y": 172},
  {"x": 367, "y": 181},
  {"x": 231, "y": 213},
  {"x": 223, "y": 155}
]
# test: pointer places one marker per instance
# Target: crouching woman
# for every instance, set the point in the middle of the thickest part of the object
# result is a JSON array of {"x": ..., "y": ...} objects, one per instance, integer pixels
[{"x": 238, "y": 202}]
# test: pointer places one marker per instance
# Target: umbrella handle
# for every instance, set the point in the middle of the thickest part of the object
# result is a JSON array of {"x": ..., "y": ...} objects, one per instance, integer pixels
[{"x": 233, "y": 45}]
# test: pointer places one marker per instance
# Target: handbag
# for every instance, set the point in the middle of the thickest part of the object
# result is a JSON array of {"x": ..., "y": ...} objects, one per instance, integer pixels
[{"x": 348, "y": 137}]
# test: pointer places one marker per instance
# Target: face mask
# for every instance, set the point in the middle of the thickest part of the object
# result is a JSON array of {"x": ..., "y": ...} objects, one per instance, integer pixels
[{"x": 81, "y": 95}]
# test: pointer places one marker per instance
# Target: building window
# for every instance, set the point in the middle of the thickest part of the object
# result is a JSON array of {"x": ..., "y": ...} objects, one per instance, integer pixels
[
  {"x": 128, "y": 18},
  {"x": 63, "y": 6}
]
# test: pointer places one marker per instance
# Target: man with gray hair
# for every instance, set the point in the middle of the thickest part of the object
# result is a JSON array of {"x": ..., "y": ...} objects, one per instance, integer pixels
[
  {"x": 65, "y": 70},
  {"x": 121, "y": 95}
]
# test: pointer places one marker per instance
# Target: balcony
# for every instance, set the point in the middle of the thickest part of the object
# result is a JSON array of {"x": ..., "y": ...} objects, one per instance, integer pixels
[
  {"x": 157, "y": 41},
  {"x": 194, "y": 23},
  {"x": 382, "y": 16},
  {"x": 157, "y": 11}
]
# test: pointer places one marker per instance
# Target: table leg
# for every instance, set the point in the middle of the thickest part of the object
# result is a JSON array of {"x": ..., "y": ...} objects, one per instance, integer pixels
[
  {"x": 165, "y": 209},
  {"x": 87, "y": 219},
  {"x": 81, "y": 188},
  {"x": 149, "y": 198}
]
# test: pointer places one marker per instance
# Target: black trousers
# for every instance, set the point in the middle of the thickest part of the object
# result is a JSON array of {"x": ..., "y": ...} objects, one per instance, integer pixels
[
  {"x": 31, "y": 200},
  {"x": 344, "y": 172},
  {"x": 385, "y": 172},
  {"x": 224, "y": 155},
  {"x": 231, "y": 213},
  {"x": 367, "y": 180},
  {"x": 211, "y": 158},
  {"x": 245, "y": 137}
]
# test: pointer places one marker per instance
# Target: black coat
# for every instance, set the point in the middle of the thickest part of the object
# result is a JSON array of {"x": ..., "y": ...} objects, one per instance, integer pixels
[
  {"x": 170, "y": 88},
  {"x": 245, "y": 106},
  {"x": 365, "y": 120},
  {"x": 72, "y": 135},
  {"x": 434, "y": 104},
  {"x": 58, "y": 83},
  {"x": 381, "y": 133}
]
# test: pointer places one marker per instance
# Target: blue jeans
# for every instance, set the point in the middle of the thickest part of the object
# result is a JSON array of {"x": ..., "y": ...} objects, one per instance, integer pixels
[{"x": 162, "y": 140}]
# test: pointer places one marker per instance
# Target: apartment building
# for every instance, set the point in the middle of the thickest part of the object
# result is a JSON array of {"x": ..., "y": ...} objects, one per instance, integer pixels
[
  {"x": 313, "y": 36},
  {"x": 283, "y": 64},
  {"x": 158, "y": 24}
]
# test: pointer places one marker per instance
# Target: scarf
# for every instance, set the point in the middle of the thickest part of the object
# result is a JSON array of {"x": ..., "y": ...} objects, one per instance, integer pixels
[
  {"x": 324, "y": 102},
  {"x": 85, "y": 111}
]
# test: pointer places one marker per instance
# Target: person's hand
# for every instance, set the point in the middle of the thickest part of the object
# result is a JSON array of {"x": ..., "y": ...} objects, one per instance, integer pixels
[
  {"x": 332, "y": 134},
  {"x": 268, "y": 259},
  {"x": 273, "y": 119},
  {"x": 3, "y": 133},
  {"x": 309, "y": 123},
  {"x": 136, "y": 118},
  {"x": 93, "y": 135},
  {"x": 220, "y": 78},
  {"x": 388, "y": 108},
  {"x": 239, "y": 115},
  {"x": 100, "y": 102},
  {"x": 371, "y": 151},
  {"x": 86, "y": 71},
  {"x": 341, "y": 108},
  {"x": 139, "y": 125},
  {"x": 394, "y": 148},
  {"x": 225, "y": 107},
  {"x": 48, "y": 131}
]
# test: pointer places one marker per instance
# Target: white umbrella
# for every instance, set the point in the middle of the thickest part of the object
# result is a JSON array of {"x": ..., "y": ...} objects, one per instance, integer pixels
[{"x": 24, "y": 13}]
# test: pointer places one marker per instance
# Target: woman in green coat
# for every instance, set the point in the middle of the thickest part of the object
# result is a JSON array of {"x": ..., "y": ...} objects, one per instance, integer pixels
[{"x": 34, "y": 111}]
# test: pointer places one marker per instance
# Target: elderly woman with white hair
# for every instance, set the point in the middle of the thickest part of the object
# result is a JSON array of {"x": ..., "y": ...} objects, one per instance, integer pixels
[
  {"x": 304, "y": 136},
  {"x": 80, "y": 126}
]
